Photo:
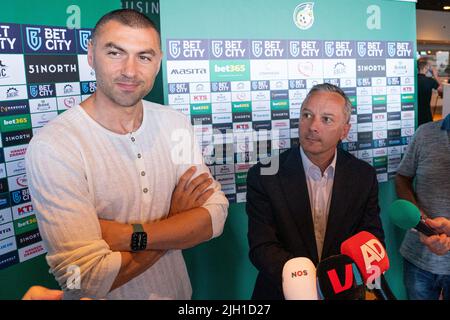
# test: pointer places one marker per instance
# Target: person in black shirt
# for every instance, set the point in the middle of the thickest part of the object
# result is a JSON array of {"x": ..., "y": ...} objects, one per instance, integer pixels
[{"x": 425, "y": 87}]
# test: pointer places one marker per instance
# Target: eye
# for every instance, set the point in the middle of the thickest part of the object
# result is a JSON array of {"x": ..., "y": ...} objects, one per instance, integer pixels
[
  {"x": 306, "y": 115},
  {"x": 114, "y": 54},
  {"x": 327, "y": 120},
  {"x": 145, "y": 59}
]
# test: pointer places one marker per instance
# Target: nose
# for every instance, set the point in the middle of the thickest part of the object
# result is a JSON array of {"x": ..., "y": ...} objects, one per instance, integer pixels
[
  {"x": 314, "y": 124},
  {"x": 129, "y": 67}
]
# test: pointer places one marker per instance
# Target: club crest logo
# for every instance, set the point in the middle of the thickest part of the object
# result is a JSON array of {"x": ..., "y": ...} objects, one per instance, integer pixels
[
  {"x": 175, "y": 48},
  {"x": 304, "y": 15},
  {"x": 33, "y": 39},
  {"x": 84, "y": 39}
]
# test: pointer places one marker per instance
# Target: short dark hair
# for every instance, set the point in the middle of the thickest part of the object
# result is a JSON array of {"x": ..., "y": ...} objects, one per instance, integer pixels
[
  {"x": 127, "y": 17},
  {"x": 422, "y": 63},
  {"x": 328, "y": 87}
]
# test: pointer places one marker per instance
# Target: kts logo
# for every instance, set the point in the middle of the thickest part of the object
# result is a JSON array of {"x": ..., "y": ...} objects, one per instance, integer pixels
[
  {"x": 304, "y": 15},
  {"x": 49, "y": 40}
]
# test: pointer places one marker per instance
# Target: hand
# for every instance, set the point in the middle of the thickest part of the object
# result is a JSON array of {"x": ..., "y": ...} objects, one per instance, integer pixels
[
  {"x": 117, "y": 235},
  {"x": 440, "y": 224},
  {"x": 41, "y": 293},
  {"x": 190, "y": 195},
  {"x": 438, "y": 244}
]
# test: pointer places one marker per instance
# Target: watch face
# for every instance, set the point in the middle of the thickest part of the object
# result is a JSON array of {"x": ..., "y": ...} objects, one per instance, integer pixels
[{"x": 138, "y": 241}]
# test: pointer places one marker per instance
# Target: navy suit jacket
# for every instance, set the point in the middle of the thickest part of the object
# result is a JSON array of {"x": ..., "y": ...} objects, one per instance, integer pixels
[{"x": 280, "y": 225}]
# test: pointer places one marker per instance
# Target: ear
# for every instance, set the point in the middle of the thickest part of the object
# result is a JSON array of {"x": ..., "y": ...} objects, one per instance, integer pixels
[
  {"x": 90, "y": 54},
  {"x": 345, "y": 130},
  {"x": 160, "y": 61}
]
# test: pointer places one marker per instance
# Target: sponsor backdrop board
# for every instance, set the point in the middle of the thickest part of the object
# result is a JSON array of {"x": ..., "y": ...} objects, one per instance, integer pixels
[
  {"x": 240, "y": 71},
  {"x": 244, "y": 80}
]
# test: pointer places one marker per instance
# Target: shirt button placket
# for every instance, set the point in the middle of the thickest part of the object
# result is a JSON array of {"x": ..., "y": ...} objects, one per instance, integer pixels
[{"x": 140, "y": 165}]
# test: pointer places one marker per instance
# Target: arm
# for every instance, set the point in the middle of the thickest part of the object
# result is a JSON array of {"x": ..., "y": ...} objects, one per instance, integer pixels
[
  {"x": 133, "y": 264},
  {"x": 404, "y": 188},
  {"x": 188, "y": 223},
  {"x": 267, "y": 252},
  {"x": 439, "y": 87}
]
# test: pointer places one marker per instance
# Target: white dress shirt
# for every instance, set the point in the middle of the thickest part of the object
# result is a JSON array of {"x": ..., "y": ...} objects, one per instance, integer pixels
[{"x": 319, "y": 190}]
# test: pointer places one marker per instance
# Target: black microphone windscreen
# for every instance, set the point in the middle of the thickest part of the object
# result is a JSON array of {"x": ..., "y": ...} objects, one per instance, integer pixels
[{"x": 338, "y": 278}]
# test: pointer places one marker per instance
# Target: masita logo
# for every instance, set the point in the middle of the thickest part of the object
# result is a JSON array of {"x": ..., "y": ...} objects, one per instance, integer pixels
[
  {"x": 42, "y": 39},
  {"x": 6, "y": 231},
  {"x": 304, "y": 15},
  {"x": 51, "y": 68},
  {"x": 10, "y": 38}
]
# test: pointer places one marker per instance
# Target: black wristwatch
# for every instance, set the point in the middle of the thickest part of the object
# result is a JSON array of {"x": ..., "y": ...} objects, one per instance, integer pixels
[{"x": 138, "y": 238}]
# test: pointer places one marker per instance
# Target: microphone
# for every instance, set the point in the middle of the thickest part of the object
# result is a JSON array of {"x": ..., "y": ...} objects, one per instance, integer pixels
[
  {"x": 338, "y": 278},
  {"x": 372, "y": 261},
  {"x": 406, "y": 215},
  {"x": 299, "y": 280}
]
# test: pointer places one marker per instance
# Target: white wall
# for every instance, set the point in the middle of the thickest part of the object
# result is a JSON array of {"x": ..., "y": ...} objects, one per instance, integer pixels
[{"x": 433, "y": 25}]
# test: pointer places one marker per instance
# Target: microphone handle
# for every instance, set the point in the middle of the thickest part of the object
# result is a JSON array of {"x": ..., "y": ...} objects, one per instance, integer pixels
[
  {"x": 384, "y": 293},
  {"x": 425, "y": 229}
]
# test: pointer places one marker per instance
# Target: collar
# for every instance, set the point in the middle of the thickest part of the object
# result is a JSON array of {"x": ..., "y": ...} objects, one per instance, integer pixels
[
  {"x": 446, "y": 123},
  {"x": 313, "y": 171}
]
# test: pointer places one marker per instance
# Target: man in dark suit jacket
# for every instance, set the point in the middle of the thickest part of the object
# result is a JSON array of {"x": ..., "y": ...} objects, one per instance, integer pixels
[{"x": 319, "y": 196}]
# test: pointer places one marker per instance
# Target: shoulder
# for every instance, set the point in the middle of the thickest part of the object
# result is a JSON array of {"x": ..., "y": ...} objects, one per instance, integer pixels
[
  {"x": 60, "y": 129},
  {"x": 428, "y": 132},
  {"x": 158, "y": 112}
]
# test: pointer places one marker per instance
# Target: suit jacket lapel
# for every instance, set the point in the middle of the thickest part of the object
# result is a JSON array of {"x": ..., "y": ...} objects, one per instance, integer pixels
[
  {"x": 293, "y": 183},
  {"x": 339, "y": 201}
]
